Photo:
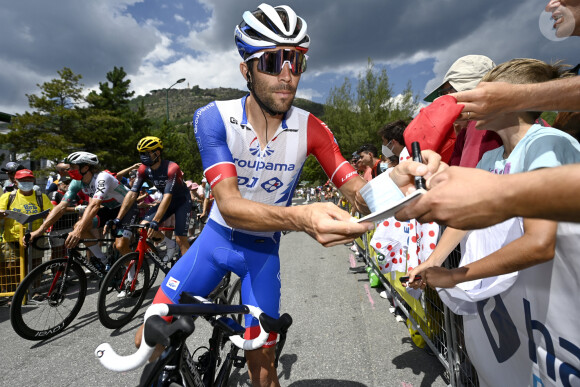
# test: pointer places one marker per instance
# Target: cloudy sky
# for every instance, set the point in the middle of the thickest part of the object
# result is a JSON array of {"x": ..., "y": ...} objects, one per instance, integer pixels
[{"x": 160, "y": 41}]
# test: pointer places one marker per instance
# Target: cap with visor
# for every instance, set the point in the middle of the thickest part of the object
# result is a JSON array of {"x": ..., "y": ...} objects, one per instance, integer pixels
[{"x": 464, "y": 74}]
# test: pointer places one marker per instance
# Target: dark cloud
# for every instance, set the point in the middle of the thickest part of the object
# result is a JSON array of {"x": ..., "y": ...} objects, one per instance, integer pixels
[{"x": 90, "y": 37}]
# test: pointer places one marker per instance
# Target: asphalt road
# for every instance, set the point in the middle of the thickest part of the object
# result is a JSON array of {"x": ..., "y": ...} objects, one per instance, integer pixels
[{"x": 343, "y": 334}]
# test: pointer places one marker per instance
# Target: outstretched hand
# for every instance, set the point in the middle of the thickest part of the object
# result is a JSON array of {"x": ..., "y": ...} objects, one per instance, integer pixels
[
  {"x": 463, "y": 198},
  {"x": 487, "y": 99},
  {"x": 330, "y": 225}
]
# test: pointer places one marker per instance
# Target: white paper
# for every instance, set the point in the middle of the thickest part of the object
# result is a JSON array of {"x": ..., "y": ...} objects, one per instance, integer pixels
[{"x": 392, "y": 209}]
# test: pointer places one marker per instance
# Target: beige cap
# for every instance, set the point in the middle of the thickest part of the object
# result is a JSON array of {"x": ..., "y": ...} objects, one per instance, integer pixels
[{"x": 464, "y": 74}]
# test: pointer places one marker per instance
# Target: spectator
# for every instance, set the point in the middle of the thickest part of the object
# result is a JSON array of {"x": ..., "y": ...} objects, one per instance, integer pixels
[
  {"x": 546, "y": 194},
  {"x": 66, "y": 223},
  {"x": 392, "y": 138},
  {"x": 124, "y": 175},
  {"x": 10, "y": 169},
  {"x": 25, "y": 200},
  {"x": 369, "y": 156},
  {"x": 520, "y": 259},
  {"x": 61, "y": 171},
  {"x": 363, "y": 170},
  {"x": 464, "y": 74}
]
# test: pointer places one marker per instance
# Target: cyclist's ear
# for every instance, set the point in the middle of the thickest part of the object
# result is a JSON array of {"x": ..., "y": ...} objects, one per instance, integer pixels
[{"x": 249, "y": 79}]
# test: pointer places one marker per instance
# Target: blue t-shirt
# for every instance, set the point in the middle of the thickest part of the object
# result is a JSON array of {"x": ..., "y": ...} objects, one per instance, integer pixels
[{"x": 541, "y": 147}]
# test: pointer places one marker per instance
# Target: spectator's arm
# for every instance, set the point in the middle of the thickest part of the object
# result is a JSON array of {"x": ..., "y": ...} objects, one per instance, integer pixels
[{"x": 491, "y": 98}]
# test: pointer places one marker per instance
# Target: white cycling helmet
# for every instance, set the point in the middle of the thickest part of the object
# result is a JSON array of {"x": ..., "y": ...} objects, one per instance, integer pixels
[
  {"x": 78, "y": 158},
  {"x": 268, "y": 27}
]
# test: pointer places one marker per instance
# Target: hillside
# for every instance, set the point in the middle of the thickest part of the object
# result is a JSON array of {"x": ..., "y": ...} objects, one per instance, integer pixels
[{"x": 184, "y": 102}]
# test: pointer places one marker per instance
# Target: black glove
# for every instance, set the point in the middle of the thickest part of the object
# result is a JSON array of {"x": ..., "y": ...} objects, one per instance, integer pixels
[
  {"x": 113, "y": 224},
  {"x": 153, "y": 225}
]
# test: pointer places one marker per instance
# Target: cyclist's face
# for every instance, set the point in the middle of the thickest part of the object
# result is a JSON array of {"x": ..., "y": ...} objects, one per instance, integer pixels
[{"x": 277, "y": 92}]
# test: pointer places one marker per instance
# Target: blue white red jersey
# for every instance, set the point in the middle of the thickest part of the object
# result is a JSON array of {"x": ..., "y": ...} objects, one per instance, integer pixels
[{"x": 229, "y": 147}]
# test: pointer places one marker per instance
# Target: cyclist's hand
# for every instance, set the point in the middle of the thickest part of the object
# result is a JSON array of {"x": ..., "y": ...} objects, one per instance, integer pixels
[
  {"x": 153, "y": 226},
  {"x": 330, "y": 225},
  {"x": 112, "y": 225},
  {"x": 72, "y": 240}
]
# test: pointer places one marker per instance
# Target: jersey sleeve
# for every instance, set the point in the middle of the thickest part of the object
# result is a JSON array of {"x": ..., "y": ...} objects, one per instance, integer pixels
[
  {"x": 74, "y": 188},
  {"x": 139, "y": 178},
  {"x": 174, "y": 178},
  {"x": 322, "y": 144},
  {"x": 104, "y": 184},
  {"x": 211, "y": 137}
]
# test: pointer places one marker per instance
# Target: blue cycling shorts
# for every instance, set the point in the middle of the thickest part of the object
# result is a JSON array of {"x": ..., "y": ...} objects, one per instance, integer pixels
[
  {"x": 218, "y": 250},
  {"x": 182, "y": 210}
]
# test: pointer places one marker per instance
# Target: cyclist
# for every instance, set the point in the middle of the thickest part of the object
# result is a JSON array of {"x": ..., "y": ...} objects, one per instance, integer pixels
[
  {"x": 105, "y": 195},
  {"x": 167, "y": 177},
  {"x": 253, "y": 150}
]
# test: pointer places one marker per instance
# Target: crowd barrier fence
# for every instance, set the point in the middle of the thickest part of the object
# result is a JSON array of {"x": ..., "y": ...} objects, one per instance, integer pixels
[
  {"x": 440, "y": 329},
  {"x": 13, "y": 263}
]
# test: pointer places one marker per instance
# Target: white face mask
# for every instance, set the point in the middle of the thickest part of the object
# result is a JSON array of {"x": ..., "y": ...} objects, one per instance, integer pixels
[
  {"x": 26, "y": 185},
  {"x": 387, "y": 152}
]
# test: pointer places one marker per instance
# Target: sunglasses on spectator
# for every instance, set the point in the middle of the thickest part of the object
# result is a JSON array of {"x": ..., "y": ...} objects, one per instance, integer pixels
[{"x": 272, "y": 62}]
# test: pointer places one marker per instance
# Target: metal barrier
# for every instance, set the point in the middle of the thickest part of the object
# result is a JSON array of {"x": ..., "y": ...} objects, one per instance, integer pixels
[
  {"x": 13, "y": 263},
  {"x": 441, "y": 330}
]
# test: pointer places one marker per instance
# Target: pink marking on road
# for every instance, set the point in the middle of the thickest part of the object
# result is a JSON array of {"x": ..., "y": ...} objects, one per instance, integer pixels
[
  {"x": 369, "y": 295},
  {"x": 352, "y": 261},
  {"x": 405, "y": 384}
]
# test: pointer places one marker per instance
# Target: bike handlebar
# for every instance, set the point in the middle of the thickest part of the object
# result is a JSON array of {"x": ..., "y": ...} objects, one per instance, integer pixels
[
  {"x": 34, "y": 241},
  {"x": 151, "y": 336}
]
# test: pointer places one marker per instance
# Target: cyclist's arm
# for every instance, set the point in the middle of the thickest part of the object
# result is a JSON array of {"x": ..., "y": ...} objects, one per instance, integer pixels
[
  {"x": 127, "y": 203},
  {"x": 490, "y": 98},
  {"x": 326, "y": 223},
  {"x": 165, "y": 202},
  {"x": 84, "y": 224},
  {"x": 53, "y": 216}
]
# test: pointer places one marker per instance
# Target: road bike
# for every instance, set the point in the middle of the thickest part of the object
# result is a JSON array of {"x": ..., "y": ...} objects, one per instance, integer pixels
[
  {"x": 126, "y": 284},
  {"x": 177, "y": 366},
  {"x": 51, "y": 295}
]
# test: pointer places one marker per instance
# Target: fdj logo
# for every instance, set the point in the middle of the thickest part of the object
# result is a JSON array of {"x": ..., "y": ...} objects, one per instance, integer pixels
[
  {"x": 272, "y": 185},
  {"x": 269, "y": 186}
]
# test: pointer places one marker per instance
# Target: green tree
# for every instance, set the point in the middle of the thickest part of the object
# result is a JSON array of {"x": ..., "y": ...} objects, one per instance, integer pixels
[
  {"x": 355, "y": 116},
  {"x": 49, "y": 130},
  {"x": 111, "y": 129}
]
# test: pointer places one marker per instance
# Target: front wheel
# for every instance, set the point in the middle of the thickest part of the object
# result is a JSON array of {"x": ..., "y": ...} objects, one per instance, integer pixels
[
  {"x": 123, "y": 291},
  {"x": 48, "y": 299}
]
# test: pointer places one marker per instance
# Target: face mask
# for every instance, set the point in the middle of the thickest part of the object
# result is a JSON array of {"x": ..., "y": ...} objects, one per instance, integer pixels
[
  {"x": 387, "y": 152},
  {"x": 26, "y": 185},
  {"x": 75, "y": 174},
  {"x": 147, "y": 160}
]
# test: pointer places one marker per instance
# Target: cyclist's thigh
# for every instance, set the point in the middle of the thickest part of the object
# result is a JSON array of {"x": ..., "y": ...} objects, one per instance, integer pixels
[
  {"x": 261, "y": 283},
  {"x": 196, "y": 272},
  {"x": 182, "y": 211}
]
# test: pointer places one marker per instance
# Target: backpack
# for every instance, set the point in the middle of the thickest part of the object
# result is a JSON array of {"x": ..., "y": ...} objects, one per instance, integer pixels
[{"x": 38, "y": 199}]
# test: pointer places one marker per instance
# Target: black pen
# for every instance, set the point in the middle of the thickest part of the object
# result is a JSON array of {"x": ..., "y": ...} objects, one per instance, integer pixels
[{"x": 419, "y": 181}]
